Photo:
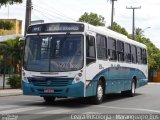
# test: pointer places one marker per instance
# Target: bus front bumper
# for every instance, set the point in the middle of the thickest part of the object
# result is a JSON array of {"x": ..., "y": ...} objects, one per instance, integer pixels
[{"x": 74, "y": 90}]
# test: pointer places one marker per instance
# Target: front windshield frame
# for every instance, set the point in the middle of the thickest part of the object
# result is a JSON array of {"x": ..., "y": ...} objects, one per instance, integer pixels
[{"x": 45, "y": 35}]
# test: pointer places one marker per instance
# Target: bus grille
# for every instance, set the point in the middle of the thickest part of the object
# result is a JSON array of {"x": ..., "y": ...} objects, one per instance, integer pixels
[{"x": 50, "y": 81}]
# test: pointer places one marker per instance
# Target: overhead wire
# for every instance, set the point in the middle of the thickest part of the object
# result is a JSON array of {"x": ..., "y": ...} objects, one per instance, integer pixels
[
  {"x": 48, "y": 14},
  {"x": 39, "y": 12},
  {"x": 61, "y": 15},
  {"x": 43, "y": 14},
  {"x": 58, "y": 12}
]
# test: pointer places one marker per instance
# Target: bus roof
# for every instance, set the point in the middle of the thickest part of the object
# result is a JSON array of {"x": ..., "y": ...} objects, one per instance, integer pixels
[
  {"x": 109, "y": 33},
  {"x": 104, "y": 31}
]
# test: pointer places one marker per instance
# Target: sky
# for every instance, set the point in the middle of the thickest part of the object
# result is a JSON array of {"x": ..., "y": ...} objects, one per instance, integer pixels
[{"x": 147, "y": 18}]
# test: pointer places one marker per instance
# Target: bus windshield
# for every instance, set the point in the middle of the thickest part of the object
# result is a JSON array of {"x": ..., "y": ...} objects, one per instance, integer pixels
[{"x": 53, "y": 53}]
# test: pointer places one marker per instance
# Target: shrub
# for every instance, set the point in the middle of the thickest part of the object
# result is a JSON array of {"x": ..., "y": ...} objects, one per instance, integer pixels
[{"x": 14, "y": 81}]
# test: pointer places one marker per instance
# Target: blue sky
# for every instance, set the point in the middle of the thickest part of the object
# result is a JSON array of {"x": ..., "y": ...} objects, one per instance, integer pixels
[{"x": 71, "y": 10}]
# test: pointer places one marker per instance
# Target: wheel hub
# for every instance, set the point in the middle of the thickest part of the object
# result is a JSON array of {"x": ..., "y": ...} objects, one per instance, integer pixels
[{"x": 99, "y": 92}]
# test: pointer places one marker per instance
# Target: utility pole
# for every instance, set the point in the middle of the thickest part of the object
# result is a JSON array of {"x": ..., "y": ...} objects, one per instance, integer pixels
[
  {"x": 112, "y": 13},
  {"x": 28, "y": 14},
  {"x": 133, "y": 23}
]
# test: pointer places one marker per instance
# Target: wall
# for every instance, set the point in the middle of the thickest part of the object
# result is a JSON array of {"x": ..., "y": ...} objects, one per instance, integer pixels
[
  {"x": 156, "y": 76},
  {"x": 16, "y": 30}
]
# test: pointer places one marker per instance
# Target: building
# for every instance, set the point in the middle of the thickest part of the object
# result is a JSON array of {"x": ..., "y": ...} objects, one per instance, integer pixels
[
  {"x": 17, "y": 29},
  {"x": 156, "y": 76}
]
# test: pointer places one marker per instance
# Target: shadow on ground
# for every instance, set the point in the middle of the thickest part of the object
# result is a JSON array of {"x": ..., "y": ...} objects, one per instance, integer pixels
[{"x": 80, "y": 102}]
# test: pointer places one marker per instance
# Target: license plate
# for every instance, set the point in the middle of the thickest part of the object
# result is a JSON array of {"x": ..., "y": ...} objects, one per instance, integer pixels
[{"x": 48, "y": 90}]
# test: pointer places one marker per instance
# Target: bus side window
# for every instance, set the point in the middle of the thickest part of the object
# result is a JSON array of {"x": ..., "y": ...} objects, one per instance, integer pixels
[
  {"x": 101, "y": 46},
  {"x": 120, "y": 51},
  {"x": 90, "y": 49},
  {"x": 144, "y": 56},
  {"x": 112, "y": 54},
  {"x": 139, "y": 55},
  {"x": 127, "y": 52},
  {"x": 133, "y": 54}
]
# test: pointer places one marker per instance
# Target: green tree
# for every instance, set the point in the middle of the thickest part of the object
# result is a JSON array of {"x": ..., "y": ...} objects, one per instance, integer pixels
[
  {"x": 93, "y": 19},
  {"x": 11, "y": 52},
  {"x": 119, "y": 29},
  {"x": 139, "y": 32},
  {"x": 153, "y": 51},
  {"x": 6, "y": 25},
  {"x": 5, "y": 2}
]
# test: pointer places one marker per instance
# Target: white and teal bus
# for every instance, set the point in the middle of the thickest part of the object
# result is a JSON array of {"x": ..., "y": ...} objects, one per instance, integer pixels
[{"x": 80, "y": 60}]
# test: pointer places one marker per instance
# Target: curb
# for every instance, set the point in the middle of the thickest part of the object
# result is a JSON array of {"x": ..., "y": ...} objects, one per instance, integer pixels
[
  {"x": 10, "y": 92},
  {"x": 153, "y": 83}
]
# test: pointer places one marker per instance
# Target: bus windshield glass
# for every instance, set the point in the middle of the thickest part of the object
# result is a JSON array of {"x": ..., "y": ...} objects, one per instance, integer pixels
[{"x": 53, "y": 53}]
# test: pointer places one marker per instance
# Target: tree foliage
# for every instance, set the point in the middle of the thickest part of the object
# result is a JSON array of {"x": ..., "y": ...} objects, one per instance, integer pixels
[
  {"x": 93, "y": 19},
  {"x": 11, "y": 52},
  {"x": 119, "y": 29},
  {"x": 153, "y": 51},
  {"x": 5, "y": 2},
  {"x": 139, "y": 32},
  {"x": 6, "y": 25}
]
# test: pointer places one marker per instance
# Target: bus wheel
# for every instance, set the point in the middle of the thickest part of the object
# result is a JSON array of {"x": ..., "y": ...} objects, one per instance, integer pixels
[
  {"x": 99, "y": 94},
  {"x": 132, "y": 92},
  {"x": 49, "y": 99}
]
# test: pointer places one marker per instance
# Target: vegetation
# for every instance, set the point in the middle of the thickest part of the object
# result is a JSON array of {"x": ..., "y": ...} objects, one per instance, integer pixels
[
  {"x": 5, "y": 2},
  {"x": 11, "y": 55},
  {"x": 10, "y": 61},
  {"x": 153, "y": 51},
  {"x": 92, "y": 19},
  {"x": 119, "y": 29},
  {"x": 11, "y": 50},
  {"x": 6, "y": 25},
  {"x": 14, "y": 81}
]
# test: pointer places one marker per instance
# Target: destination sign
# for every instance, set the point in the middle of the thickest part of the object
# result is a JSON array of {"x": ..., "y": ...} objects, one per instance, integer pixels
[{"x": 56, "y": 27}]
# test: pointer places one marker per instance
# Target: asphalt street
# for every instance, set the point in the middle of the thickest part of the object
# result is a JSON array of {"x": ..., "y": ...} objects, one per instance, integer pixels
[{"x": 146, "y": 101}]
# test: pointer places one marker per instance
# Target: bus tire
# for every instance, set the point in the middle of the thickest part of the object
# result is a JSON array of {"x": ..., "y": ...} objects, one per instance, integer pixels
[
  {"x": 132, "y": 91},
  {"x": 98, "y": 98},
  {"x": 49, "y": 99}
]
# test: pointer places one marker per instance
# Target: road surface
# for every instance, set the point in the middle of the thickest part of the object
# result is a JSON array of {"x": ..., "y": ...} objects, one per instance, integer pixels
[{"x": 146, "y": 101}]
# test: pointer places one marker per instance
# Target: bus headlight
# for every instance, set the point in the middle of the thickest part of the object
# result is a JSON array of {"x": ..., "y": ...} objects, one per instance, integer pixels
[
  {"x": 25, "y": 79},
  {"x": 77, "y": 78},
  {"x": 80, "y": 74}
]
